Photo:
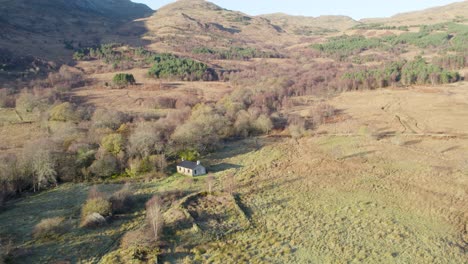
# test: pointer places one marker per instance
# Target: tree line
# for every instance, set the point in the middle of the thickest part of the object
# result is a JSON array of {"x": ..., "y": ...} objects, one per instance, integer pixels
[
  {"x": 417, "y": 71},
  {"x": 235, "y": 53}
]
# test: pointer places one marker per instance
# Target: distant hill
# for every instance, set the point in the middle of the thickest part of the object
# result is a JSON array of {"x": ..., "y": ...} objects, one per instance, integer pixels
[
  {"x": 456, "y": 11},
  {"x": 43, "y": 28},
  {"x": 302, "y": 25},
  {"x": 201, "y": 22},
  {"x": 51, "y": 30}
]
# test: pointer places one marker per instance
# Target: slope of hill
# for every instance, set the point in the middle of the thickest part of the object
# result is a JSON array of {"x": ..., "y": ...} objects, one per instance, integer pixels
[
  {"x": 200, "y": 22},
  {"x": 35, "y": 27},
  {"x": 456, "y": 11},
  {"x": 49, "y": 30},
  {"x": 302, "y": 25}
]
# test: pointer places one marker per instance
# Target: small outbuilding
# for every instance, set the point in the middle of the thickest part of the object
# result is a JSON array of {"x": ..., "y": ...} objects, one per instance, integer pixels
[{"x": 190, "y": 168}]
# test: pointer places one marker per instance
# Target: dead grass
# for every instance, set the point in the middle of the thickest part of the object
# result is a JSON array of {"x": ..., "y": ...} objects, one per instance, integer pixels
[{"x": 341, "y": 196}]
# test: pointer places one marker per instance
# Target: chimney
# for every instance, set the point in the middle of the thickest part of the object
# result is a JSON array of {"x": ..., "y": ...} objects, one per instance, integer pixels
[{"x": 198, "y": 162}]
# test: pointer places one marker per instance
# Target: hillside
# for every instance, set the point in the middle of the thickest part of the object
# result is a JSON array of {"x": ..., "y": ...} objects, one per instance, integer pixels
[
  {"x": 309, "y": 26},
  {"x": 36, "y": 32},
  {"x": 452, "y": 12},
  {"x": 197, "y": 22}
]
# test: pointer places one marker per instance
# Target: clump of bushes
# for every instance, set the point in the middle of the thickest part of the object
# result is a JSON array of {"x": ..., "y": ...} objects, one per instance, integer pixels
[
  {"x": 123, "y": 200},
  {"x": 95, "y": 209},
  {"x": 64, "y": 112},
  {"x": 27, "y": 102},
  {"x": 105, "y": 167},
  {"x": 49, "y": 228},
  {"x": 123, "y": 79},
  {"x": 103, "y": 118},
  {"x": 113, "y": 143}
]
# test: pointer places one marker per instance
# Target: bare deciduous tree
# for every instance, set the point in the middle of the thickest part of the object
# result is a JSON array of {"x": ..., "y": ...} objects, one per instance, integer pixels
[
  {"x": 154, "y": 216},
  {"x": 230, "y": 184},
  {"x": 38, "y": 162},
  {"x": 210, "y": 180}
]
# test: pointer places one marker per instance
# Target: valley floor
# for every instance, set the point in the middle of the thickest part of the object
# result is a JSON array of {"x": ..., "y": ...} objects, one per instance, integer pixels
[{"x": 386, "y": 184}]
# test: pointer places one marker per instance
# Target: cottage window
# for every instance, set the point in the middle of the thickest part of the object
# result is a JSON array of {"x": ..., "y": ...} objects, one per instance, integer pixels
[{"x": 195, "y": 172}]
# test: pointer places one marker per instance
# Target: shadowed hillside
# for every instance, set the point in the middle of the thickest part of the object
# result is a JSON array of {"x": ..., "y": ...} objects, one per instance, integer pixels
[{"x": 34, "y": 32}]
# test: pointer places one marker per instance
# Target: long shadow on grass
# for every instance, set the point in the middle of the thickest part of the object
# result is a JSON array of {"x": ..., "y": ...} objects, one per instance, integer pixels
[
  {"x": 360, "y": 154},
  {"x": 223, "y": 167},
  {"x": 237, "y": 146}
]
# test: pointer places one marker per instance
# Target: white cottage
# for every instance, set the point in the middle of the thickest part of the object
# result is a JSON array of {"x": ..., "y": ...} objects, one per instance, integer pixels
[{"x": 191, "y": 168}]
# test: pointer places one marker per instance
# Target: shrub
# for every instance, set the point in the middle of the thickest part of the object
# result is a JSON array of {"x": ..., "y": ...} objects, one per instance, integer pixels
[
  {"x": 64, "y": 112},
  {"x": 97, "y": 205},
  {"x": 123, "y": 79},
  {"x": 6, "y": 99},
  {"x": 113, "y": 143},
  {"x": 139, "y": 166},
  {"x": 135, "y": 238},
  {"x": 67, "y": 77},
  {"x": 103, "y": 118},
  {"x": 49, "y": 228},
  {"x": 166, "y": 102},
  {"x": 122, "y": 201},
  {"x": 189, "y": 154},
  {"x": 145, "y": 140},
  {"x": 26, "y": 102},
  {"x": 93, "y": 220},
  {"x": 321, "y": 112},
  {"x": 95, "y": 209},
  {"x": 263, "y": 124},
  {"x": 296, "y": 131},
  {"x": 105, "y": 166},
  {"x": 84, "y": 156}
]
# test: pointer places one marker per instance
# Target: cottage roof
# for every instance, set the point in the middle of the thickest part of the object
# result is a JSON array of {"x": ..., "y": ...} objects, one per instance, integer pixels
[{"x": 188, "y": 164}]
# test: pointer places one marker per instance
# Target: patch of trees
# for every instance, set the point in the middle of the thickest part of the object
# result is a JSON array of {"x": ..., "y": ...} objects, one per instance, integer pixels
[
  {"x": 460, "y": 39},
  {"x": 168, "y": 66},
  {"x": 235, "y": 53},
  {"x": 417, "y": 71},
  {"x": 106, "y": 52},
  {"x": 378, "y": 26},
  {"x": 123, "y": 79},
  {"x": 452, "y": 62},
  {"x": 344, "y": 46},
  {"x": 117, "y": 55},
  {"x": 422, "y": 39},
  {"x": 444, "y": 37}
]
